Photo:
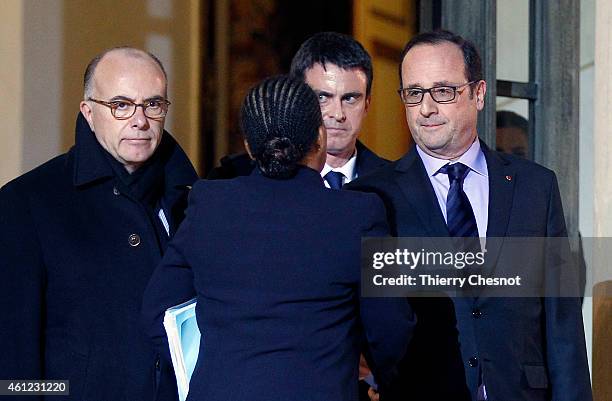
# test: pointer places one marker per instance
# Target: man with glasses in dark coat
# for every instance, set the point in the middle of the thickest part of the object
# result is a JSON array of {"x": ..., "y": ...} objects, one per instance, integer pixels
[{"x": 82, "y": 233}]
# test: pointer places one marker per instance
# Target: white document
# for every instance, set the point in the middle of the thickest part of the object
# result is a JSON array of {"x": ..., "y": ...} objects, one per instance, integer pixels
[{"x": 184, "y": 341}]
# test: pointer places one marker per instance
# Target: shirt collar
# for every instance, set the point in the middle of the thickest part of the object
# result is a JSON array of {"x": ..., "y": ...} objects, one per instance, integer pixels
[
  {"x": 348, "y": 170},
  {"x": 473, "y": 158}
]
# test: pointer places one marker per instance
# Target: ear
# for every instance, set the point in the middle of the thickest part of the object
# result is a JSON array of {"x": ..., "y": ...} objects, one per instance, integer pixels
[
  {"x": 248, "y": 149},
  {"x": 86, "y": 111},
  {"x": 322, "y": 139},
  {"x": 481, "y": 90},
  {"x": 367, "y": 103}
]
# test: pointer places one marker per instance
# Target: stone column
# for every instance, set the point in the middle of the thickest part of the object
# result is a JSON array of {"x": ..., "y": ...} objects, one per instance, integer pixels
[{"x": 602, "y": 293}]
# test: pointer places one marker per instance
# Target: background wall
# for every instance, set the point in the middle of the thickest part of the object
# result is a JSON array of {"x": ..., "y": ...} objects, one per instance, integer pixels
[
  {"x": 11, "y": 89},
  {"x": 384, "y": 27}
]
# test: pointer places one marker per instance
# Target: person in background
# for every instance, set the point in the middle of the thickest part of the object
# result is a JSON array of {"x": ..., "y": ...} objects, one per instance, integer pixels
[
  {"x": 339, "y": 70},
  {"x": 511, "y": 135}
]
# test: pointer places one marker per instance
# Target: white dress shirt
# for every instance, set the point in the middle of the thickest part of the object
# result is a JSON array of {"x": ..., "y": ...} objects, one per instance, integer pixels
[{"x": 349, "y": 170}]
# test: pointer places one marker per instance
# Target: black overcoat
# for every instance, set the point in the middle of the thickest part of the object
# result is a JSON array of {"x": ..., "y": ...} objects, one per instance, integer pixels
[{"x": 76, "y": 253}]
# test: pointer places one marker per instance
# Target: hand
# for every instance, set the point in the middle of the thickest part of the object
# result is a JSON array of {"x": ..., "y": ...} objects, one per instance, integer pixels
[
  {"x": 364, "y": 369},
  {"x": 373, "y": 394}
]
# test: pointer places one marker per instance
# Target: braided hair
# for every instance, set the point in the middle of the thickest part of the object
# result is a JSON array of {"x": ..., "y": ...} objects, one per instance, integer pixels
[{"x": 280, "y": 119}]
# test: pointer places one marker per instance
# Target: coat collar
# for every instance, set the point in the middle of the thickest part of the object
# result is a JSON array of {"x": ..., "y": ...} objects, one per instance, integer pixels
[
  {"x": 304, "y": 176},
  {"x": 90, "y": 163},
  {"x": 502, "y": 176},
  {"x": 415, "y": 184},
  {"x": 367, "y": 160}
]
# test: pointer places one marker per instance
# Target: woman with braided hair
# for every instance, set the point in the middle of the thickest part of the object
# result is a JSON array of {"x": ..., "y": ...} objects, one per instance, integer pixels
[
  {"x": 283, "y": 127},
  {"x": 274, "y": 261}
]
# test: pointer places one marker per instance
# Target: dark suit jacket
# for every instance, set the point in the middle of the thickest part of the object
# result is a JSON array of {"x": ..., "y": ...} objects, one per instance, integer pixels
[
  {"x": 529, "y": 349},
  {"x": 73, "y": 277},
  {"x": 240, "y": 164},
  {"x": 275, "y": 265}
]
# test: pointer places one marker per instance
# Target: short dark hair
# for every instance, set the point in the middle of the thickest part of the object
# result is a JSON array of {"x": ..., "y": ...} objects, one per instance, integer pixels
[
  {"x": 471, "y": 58},
  {"x": 333, "y": 48},
  {"x": 280, "y": 118},
  {"x": 91, "y": 66},
  {"x": 510, "y": 119}
]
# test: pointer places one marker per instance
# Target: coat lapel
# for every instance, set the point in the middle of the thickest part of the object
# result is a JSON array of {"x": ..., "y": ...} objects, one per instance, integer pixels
[
  {"x": 367, "y": 161},
  {"x": 411, "y": 177},
  {"x": 502, "y": 177},
  {"x": 501, "y": 190}
]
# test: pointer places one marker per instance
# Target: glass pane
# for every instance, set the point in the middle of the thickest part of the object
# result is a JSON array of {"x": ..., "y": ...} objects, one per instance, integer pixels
[
  {"x": 512, "y": 132},
  {"x": 513, "y": 40}
]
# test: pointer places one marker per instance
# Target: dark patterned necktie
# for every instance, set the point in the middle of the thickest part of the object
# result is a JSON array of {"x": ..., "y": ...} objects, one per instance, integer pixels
[
  {"x": 460, "y": 217},
  {"x": 334, "y": 179}
]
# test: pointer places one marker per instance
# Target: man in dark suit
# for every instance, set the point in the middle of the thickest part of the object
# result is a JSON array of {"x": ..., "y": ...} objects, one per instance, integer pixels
[
  {"x": 82, "y": 233},
  {"x": 339, "y": 70},
  {"x": 451, "y": 184}
]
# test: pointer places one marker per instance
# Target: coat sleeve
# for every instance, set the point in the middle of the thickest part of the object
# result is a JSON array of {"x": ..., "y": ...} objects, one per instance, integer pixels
[
  {"x": 388, "y": 323},
  {"x": 171, "y": 283},
  {"x": 22, "y": 289},
  {"x": 565, "y": 342}
]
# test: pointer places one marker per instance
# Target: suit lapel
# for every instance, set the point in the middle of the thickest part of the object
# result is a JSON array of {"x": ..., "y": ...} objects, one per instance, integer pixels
[
  {"x": 367, "y": 161},
  {"x": 411, "y": 177},
  {"x": 501, "y": 190},
  {"x": 502, "y": 177}
]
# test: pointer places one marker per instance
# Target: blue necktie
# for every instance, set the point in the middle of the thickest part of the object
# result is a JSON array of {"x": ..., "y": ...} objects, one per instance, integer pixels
[
  {"x": 334, "y": 179},
  {"x": 459, "y": 214}
]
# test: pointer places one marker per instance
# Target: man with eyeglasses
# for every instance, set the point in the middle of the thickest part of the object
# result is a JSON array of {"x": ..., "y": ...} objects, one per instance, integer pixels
[
  {"x": 81, "y": 235},
  {"x": 450, "y": 184}
]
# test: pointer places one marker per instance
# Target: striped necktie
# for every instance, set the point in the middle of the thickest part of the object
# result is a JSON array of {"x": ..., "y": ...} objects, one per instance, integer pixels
[{"x": 460, "y": 217}]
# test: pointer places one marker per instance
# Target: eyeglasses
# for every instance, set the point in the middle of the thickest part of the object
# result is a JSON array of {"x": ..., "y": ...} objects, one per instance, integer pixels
[
  {"x": 440, "y": 94},
  {"x": 154, "y": 109}
]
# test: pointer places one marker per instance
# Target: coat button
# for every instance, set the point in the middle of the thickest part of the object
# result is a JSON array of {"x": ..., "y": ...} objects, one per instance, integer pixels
[
  {"x": 116, "y": 191},
  {"x": 134, "y": 240},
  {"x": 473, "y": 362},
  {"x": 476, "y": 314}
]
